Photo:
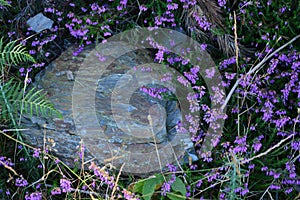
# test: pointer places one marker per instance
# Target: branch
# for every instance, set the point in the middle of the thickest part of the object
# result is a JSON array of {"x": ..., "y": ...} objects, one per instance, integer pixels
[
  {"x": 258, "y": 66},
  {"x": 269, "y": 150}
]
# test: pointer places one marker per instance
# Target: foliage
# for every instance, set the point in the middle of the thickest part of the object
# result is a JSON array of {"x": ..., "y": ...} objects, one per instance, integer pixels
[
  {"x": 14, "y": 100},
  {"x": 258, "y": 153},
  {"x": 4, "y": 3},
  {"x": 14, "y": 97}
]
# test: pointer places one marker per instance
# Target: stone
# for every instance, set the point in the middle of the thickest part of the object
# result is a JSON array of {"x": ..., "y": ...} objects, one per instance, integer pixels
[
  {"x": 70, "y": 75},
  {"x": 39, "y": 23},
  {"x": 128, "y": 135}
]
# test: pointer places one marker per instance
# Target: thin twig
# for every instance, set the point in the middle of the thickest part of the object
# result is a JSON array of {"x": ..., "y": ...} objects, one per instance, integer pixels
[
  {"x": 237, "y": 63},
  {"x": 269, "y": 150},
  {"x": 116, "y": 182},
  {"x": 140, "y": 12},
  {"x": 236, "y": 41},
  {"x": 9, "y": 168},
  {"x": 258, "y": 66}
]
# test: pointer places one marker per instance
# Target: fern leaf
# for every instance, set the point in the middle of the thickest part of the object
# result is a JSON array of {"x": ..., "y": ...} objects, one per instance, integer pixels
[
  {"x": 33, "y": 102},
  {"x": 36, "y": 104},
  {"x": 4, "y": 3},
  {"x": 5, "y": 97},
  {"x": 13, "y": 53}
]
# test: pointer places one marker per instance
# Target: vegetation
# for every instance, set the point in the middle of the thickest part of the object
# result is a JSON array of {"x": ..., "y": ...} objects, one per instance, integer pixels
[{"x": 255, "y": 45}]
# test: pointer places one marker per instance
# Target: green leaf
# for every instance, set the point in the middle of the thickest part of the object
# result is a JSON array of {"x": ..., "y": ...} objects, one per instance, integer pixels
[
  {"x": 150, "y": 185},
  {"x": 13, "y": 53},
  {"x": 34, "y": 102},
  {"x": 4, "y": 3},
  {"x": 179, "y": 186},
  {"x": 138, "y": 187}
]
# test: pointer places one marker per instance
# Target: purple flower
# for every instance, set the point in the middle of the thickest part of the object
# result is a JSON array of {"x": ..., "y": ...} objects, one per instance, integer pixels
[
  {"x": 38, "y": 65},
  {"x": 102, "y": 9},
  {"x": 275, "y": 187},
  {"x": 202, "y": 22},
  {"x": 70, "y": 15},
  {"x": 251, "y": 166},
  {"x": 227, "y": 62},
  {"x": 172, "y": 6},
  {"x": 119, "y": 8},
  {"x": 143, "y": 8},
  {"x": 171, "y": 167},
  {"x": 166, "y": 187},
  {"x": 276, "y": 175},
  {"x": 295, "y": 145},
  {"x": 21, "y": 182},
  {"x": 256, "y": 146},
  {"x": 283, "y": 9},
  {"x": 222, "y": 3},
  {"x": 56, "y": 191},
  {"x": 100, "y": 57},
  {"x": 22, "y": 70},
  {"x": 50, "y": 10},
  {"x": 193, "y": 78},
  {"x": 65, "y": 185},
  {"x": 230, "y": 76},
  {"x": 11, "y": 33},
  {"x": 94, "y": 6},
  {"x": 107, "y": 34},
  {"x": 78, "y": 51},
  {"x": 203, "y": 47},
  {"x": 159, "y": 56},
  {"x": 265, "y": 168},
  {"x": 36, "y": 153},
  {"x": 244, "y": 192},
  {"x": 34, "y": 196},
  {"x": 185, "y": 62},
  {"x": 102, "y": 175},
  {"x": 289, "y": 190},
  {"x": 128, "y": 195},
  {"x": 166, "y": 77},
  {"x": 242, "y": 145},
  {"x": 199, "y": 183},
  {"x": 32, "y": 52},
  {"x": 210, "y": 72}
]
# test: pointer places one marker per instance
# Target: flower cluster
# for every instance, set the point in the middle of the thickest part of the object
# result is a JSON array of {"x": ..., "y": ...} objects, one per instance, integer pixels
[
  {"x": 34, "y": 196},
  {"x": 65, "y": 185},
  {"x": 102, "y": 175},
  {"x": 166, "y": 186},
  {"x": 261, "y": 116}
]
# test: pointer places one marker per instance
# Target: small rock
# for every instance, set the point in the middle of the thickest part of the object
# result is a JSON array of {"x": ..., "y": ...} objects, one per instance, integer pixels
[
  {"x": 70, "y": 75},
  {"x": 39, "y": 23}
]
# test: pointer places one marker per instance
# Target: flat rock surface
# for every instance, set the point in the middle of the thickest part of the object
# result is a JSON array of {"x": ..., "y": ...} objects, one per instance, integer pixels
[{"x": 122, "y": 132}]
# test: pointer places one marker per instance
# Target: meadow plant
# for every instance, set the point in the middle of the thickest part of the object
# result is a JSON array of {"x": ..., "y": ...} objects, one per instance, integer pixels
[{"x": 257, "y": 154}]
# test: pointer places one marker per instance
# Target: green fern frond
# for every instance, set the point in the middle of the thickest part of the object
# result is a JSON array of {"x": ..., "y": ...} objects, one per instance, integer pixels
[
  {"x": 4, "y": 3},
  {"x": 33, "y": 102},
  {"x": 13, "y": 53},
  {"x": 6, "y": 107}
]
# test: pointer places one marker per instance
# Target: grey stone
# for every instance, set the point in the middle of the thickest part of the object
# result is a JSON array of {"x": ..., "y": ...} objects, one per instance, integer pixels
[
  {"x": 39, "y": 23},
  {"x": 70, "y": 75},
  {"x": 126, "y": 131}
]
